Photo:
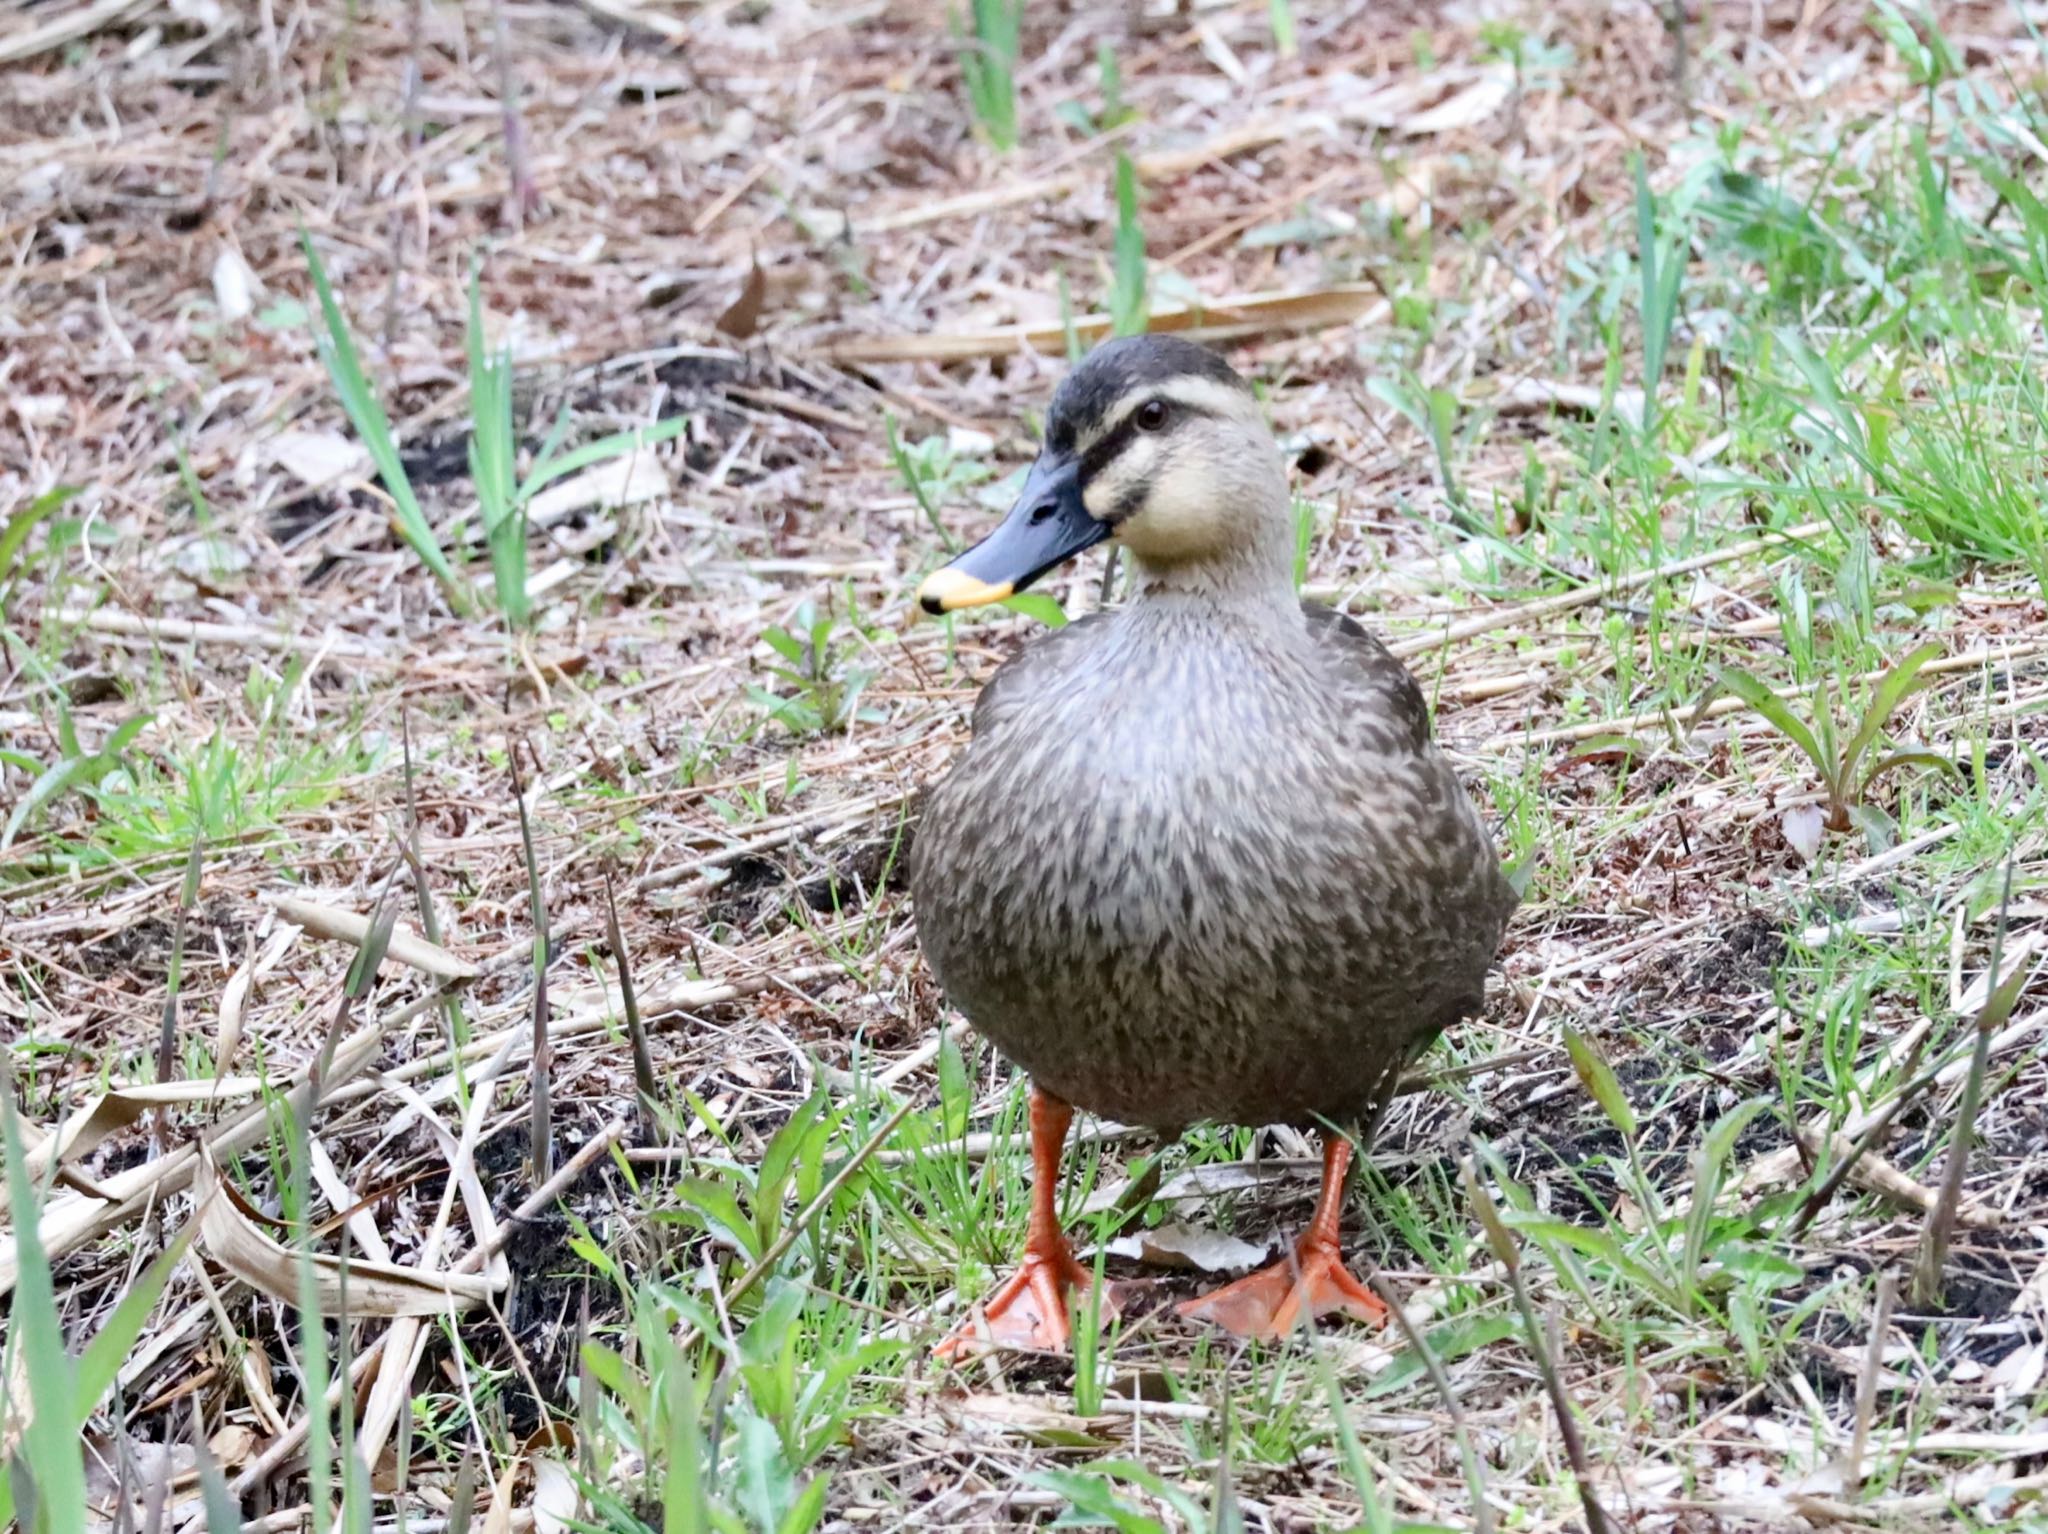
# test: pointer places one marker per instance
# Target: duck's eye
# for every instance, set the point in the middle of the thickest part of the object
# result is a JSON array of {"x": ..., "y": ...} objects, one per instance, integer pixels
[{"x": 1152, "y": 415}]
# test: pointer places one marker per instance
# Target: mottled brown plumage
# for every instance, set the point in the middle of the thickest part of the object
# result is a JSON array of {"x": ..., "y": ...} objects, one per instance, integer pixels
[
  {"x": 1202, "y": 858},
  {"x": 1206, "y": 863}
]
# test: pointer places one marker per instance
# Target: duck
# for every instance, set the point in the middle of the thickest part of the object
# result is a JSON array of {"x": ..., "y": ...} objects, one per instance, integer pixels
[{"x": 1202, "y": 859}]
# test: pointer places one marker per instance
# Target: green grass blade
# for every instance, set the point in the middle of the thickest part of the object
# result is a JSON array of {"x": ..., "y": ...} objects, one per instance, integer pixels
[
  {"x": 617, "y": 445},
  {"x": 1129, "y": 301},
  {"x": 1036, "y": 604},
  {"x": 1281, "y": 14},
  {"x": 107, "y": 1351},
  {"x": 1893, "y": 688},
  {"x": 366, "y": 413},
  {"x": 1599, "y": 1080},
  {"x": 53, "y": 782},
  {"x": 49, "y": 1441},
  {"x": 1908, "y": 756},
  {"x": 14, "y": 536},
  {"x": 1709, "y": 1165},
  {"x": 1774, "y": 709},
  {"x": 493, "y": 449}
]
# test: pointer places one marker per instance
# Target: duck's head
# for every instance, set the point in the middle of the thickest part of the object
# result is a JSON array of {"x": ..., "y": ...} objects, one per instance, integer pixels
[{"x": 1152, "y": 441}]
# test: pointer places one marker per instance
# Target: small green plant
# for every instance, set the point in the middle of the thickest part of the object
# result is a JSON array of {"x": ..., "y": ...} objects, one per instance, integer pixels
[
  {"x": 933, "y": 473},
  {"x": 188, "y": 477},
  {"x": 825, "y": 688},
  {"x": 726, "y": 1442},
  {"x": 1070, "y": 333},
  {"x": 43, "y": 1484},
  {"x": 1093, "y": 1501},
  {"x": 502, "y": 495},
  {"x": 1434, "y": 413},
  {"x": 1507, "y": 1252},
  {"x": 337, "y": 350},
  {"x": 1281, "y": 14},
  {"x": 75, "y": 768},
  {"x": 1130, "y": 301},
  {"x": 988, "y": 67},
  {"x": 493, "y": 451},
  {"x": 1115, "y": 111},
  {"x": 1663, "y": 266},
  {"x": 1838, "y": 751},
  {"x": 14, "y": 536},
  {"x": 1304, "y": 540}
]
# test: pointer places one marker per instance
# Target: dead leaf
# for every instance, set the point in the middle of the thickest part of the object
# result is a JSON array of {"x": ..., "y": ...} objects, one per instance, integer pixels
[
  {"x": 233, "y": 998},
  {"x": 316, "y": 458},
  {"x": 2019, "y": 947},
  {"x": 743, "y": 317},
  {"x": 2019, "y": 1371},
  {"x": 349, "y": 927},
  {"x": 1180, "y": 1245},
  {"x": 1803, "y": 825},
  {"x": 1534, "y": 396},
  {"x": 233, "y": 1446},
  {"x": 237, "y": 1243},
  {"x": 234, "y": 285},
  {"x": 1464, "y": 108},
  {"x": 83, "y": 1132},
  {"x": 210, "y": 560},
  {"x": 554, "y": 1496},
  {"x": 1234, "y": 318},
  {"x": 1025, "y": 1417},
  {"x": 624, "y": 481},
  {"x": 499, "y": 1519}
]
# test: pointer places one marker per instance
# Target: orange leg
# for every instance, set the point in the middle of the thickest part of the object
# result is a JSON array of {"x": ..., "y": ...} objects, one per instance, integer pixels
[
  {"x": 1030, "y": 1309},
  {"x": 1310, "y": 1281}
]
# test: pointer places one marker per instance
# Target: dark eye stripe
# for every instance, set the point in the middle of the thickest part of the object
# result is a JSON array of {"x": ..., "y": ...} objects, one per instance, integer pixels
[{"x": 1101, "y": 454}]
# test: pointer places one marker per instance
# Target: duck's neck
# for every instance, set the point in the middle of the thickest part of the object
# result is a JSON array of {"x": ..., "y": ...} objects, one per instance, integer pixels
[{"x": 1252, "y": 583}]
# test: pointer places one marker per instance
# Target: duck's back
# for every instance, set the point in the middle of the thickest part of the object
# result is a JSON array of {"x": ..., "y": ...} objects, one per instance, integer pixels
[{"x": 1193, "y": 869}]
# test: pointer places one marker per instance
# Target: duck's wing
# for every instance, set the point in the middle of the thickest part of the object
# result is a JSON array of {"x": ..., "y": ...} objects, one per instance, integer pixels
[
  {"x": 1383, "y": 696},
  {"x": 1384, "y": 713},
  {"x": 1026, "y": 675}
]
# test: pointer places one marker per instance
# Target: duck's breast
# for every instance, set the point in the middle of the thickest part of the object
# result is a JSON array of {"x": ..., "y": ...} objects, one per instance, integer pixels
[{"x": 1179, "y": 890}]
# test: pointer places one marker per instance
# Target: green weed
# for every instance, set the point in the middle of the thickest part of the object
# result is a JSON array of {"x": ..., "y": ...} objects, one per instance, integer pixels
[
  {"x": 988, "y": 67},
  {"x": 1130, "y": 303},
  {"x": 817, "y": 667},
  {"x": 14, "y": 536},
  {"x": 365, "y": 411},
  {"x": 75, "y": 769},
  {"x": 502, "y": 495},
  {"x": 44, "y": 1488},
  {"x": 1837, "y": 749}
]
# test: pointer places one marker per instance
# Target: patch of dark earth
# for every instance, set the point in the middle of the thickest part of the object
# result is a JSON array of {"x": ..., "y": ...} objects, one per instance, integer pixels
[
  {"x": 850, "y": 881},
  {"x": 752, "y": 888},
  {"x": 1744, "y": 957},
  {"x": 143, "y": 948},
  {"x": 437, "y": 460},
  {"x": 756, "y": 890}
]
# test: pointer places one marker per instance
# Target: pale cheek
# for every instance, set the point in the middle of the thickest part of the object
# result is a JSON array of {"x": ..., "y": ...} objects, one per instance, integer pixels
[{"x": 1180, "y": 520}]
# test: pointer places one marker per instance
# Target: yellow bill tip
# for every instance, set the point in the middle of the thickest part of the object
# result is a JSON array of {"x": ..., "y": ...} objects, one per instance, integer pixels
[{"x": 950, "y": 589}]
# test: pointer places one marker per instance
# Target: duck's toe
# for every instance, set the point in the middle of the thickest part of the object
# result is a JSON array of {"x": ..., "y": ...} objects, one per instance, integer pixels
[
  {"x": 1030, "y": 1311},
  {"x": 1311, "y": 1281}
]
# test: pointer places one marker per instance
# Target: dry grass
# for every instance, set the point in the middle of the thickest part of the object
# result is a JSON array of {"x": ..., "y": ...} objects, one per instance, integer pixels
[{"x": 1397, "y": 203}]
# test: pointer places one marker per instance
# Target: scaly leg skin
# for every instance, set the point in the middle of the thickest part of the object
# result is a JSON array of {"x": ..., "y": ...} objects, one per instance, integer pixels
[
  {"x": 1030, "y": 1310},
  {"x": 1310, "y": 1281}
]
